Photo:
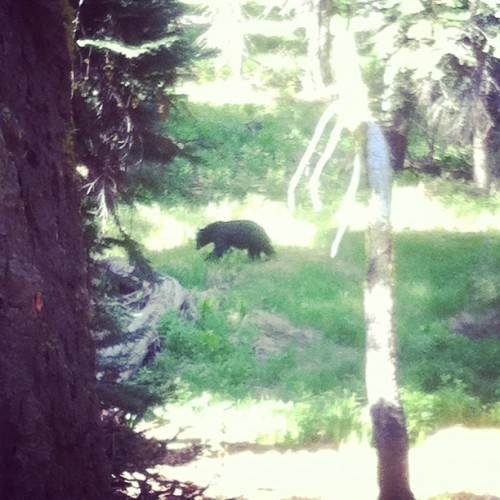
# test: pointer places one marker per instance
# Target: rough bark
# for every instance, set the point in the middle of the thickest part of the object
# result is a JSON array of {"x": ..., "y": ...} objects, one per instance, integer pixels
[
  {"x": 51, "y": 446},
  {"x": 398, "y": 146},
  {"x": 391, "y": 440},
  {"x": 401, "y": 109}
]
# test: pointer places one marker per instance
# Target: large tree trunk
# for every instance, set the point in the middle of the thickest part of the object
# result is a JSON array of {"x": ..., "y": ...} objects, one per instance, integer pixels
[
  {"x": 388, "y": 420},
  {"x": 50, "y": 446}
]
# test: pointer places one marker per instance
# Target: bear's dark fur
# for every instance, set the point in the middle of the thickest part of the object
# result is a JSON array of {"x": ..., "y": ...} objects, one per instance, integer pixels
[{"x": 235, "y": 233}]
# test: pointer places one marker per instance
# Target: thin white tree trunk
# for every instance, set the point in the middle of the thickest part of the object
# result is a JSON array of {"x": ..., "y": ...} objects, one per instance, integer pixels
[{"x": 387, "y": 414}]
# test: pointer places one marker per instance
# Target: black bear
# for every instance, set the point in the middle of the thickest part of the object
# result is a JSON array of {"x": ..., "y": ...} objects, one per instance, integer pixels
[{"x": 234, "y": 233}]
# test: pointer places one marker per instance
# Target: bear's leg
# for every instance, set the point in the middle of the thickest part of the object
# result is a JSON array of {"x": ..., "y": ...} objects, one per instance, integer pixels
[
  {"x": 221, "y": 246},
  {"x": 253, "y": 252}
]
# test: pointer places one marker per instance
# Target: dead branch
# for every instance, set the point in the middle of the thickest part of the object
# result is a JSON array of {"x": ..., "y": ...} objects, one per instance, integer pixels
[{"x": 311, "y": 147}]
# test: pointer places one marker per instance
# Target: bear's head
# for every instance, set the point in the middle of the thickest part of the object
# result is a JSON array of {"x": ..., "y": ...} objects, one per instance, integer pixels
[{"x": 202, "y": 238}]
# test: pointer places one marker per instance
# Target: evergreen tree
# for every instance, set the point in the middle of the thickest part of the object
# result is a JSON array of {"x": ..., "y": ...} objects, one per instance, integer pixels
[{"x": 129, "y": 56}]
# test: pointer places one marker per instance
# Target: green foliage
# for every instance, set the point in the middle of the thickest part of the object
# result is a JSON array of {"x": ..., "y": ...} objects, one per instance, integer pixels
[
  {"x": 231, "y": 151},
  {"x": 427, "y": 411},
  {"x": 454, "y": 161},
  {"x": 434, "y": 356},
  {"x": 277, "y": 44},
  {"x": 332, "y": 417},
  {"x": 426, "y": 261},
  {"x": 243, "y": 149},
  {"x": 484, "y": 284},
  {"x": 436, "y": 156},
  {"x": 183, "y": 340},
  {"x": 204, "y": 354},
  {"x": 486, "y": 289},
  {"x": 438, "y": 275}
]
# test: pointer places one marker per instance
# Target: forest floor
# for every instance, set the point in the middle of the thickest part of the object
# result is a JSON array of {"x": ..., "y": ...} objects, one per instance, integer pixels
[{"x": 454, "y": 463}]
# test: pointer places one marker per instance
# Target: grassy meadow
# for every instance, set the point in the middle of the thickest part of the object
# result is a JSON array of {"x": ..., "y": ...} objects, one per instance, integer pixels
[{"x": 448, "y": 266}]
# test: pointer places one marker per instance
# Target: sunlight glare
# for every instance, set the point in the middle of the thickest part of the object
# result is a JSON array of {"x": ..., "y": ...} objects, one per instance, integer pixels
[
  {"x": 449, "y": 461},
  {"x": 282, "y": 227},
  {"x": 227, "y": 92},
  {"x": 413, "y": 208},
  {"x": 165, "y": 230},
  {"x": 217, "y": 422}
]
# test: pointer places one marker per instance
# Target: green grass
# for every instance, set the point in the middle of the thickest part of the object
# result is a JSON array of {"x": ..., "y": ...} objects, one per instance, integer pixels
[
  {"x": 446, "y": 377},
  {"x": 437, "y": 278},
  {"x": 234, "y": 159}
]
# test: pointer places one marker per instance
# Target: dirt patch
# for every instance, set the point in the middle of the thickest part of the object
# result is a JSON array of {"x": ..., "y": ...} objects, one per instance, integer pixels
[
  {"x": 276, "y": 333},
  {"x": 477, "y": 326}
]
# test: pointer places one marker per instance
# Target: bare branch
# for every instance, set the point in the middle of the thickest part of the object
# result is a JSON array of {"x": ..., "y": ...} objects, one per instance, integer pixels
[
  {"x": 318, "y": 170},
  {"x": 346, "y": 206}
]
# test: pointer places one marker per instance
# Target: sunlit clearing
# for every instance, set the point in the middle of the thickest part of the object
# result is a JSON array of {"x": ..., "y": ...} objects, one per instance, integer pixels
[
  {"x": 231, "y": 433},
  {"x": 283, "y": 228},
  {"x": 451, "y": 461},
  {"x": 166, "y": 231},
  {"x": 457, "y": 460},
  {"x": 413, "y": 208},
  {"x": 216, "y": 422},
  {"x": 227, "y": 92}
]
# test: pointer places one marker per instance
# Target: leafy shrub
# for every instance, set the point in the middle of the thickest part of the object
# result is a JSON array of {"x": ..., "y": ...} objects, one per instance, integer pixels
[
  {"x": 450, "y": 405},
  {"x": 331, "y": 418},
  {"x": 233, "y": 157},
  {"x": 435, "y": 356},
  {"x": 185, "y": 340}
]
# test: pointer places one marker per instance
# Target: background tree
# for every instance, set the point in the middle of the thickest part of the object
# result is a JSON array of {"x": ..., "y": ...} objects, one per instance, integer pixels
[
  {"x": 440, "y": 74},
  {"x": 226, "y": 35},
  {"x": 51, "y": 446},
  {"x": 315, "y": 16},
  {"x": 129, "y": 55}
]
